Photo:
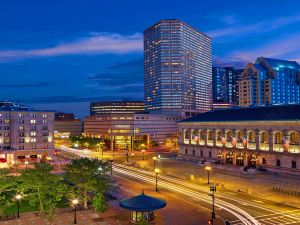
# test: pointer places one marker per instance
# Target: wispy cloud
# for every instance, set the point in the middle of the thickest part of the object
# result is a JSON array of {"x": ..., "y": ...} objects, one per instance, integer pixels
[
  {"x": 245, "y": 29},
  {"x": 95, "y": 43},
  {"x": 279, "y": 48}
]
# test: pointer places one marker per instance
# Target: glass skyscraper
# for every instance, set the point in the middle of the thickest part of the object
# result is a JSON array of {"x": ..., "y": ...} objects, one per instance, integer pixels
[
  {"x": 270, "y": 82},
  {"x": 178, "y": 68}
]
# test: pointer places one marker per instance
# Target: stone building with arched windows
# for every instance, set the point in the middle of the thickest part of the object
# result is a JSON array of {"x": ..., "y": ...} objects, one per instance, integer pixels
[{"x": 265, "y": 137}]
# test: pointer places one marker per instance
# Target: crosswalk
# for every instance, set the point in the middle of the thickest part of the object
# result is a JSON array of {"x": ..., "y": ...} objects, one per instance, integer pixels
[{"x": 284, "y": 218}]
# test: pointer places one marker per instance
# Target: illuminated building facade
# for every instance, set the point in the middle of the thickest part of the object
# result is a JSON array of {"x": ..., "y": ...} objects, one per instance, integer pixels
[
  {"x": 115, "y": 107},
  {"x": 25, "y": 134},
  {"x": 266, "y": 137},
  {"x": 67, "y": 125},
  {"x": 222, "y": 84},
  {"x": 123, "y": 130},
  {"x": 177, "y": 68},
  {"x": 270, "y": 82}
]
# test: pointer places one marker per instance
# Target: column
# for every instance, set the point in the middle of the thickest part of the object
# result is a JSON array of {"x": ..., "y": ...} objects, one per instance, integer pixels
[
  {"x": 205, "y": 136},
  {"x": 286, "y": 138},
  {"x": 214, "y": 136},
  {"x": 257, "y": 139},
  {"x": 271, "y": 140}
]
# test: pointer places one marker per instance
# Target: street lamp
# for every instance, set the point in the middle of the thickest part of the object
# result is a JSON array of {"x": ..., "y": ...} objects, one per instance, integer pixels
[
  {"x": 208, "y": 169},
  {"x": 18, "y": 197},
  {"x": 132, "y": 154},
  {"x": 143, "y": 152},
  {"x": 213, "y": 189},
  {"x": 75, "y": 203},
  {"x": 26, "y": 164},
  {"x": 156, "y": 178},
  {"x": 154, "y": 161},
  {"x": 111, "y": 166}
]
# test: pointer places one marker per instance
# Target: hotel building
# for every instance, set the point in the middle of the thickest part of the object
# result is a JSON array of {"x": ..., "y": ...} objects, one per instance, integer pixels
[
  {"x": 116, "y": 107},
  {"x": 67, "y": 125},
  {"x": 25, "y": 134},
  {"x": 265, "y": 137},
  {"x": 177, "y": 69},
  {"x": 123, "y": 130},
  {"x": 270, "y": 82}
]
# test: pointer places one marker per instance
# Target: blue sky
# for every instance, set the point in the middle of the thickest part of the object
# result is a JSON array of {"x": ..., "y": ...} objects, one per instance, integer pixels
[{"x": 63, "y": 54}]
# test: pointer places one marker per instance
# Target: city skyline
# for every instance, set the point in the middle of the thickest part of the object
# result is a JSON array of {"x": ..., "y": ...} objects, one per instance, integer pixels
[{"x": 40, "y": 53}]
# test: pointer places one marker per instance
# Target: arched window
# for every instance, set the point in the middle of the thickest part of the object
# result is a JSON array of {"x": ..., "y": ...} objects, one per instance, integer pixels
[
  {"x": 251, "y": 137},
  {"x": 264, "y": 137},
  {"x": 294, "y": 138},
  {"x": 278, "y": 138},
  {"x": 240, "y": 136},
  {"x": 229, "y": 135},
  {"x": 218, "y": 135},
  {"x": 209, "y": 135},
  {"x": 202, "y": 135}
]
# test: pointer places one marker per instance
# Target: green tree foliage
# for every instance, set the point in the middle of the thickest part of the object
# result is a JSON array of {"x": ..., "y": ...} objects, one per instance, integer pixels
[
  {"x": 7, "y": 189},
  {"x": 99, "y": 203},
  {"x": 42, "y": 188},
  {"x": 86, "y": 142},
  {"x": 88, "y": 175}
]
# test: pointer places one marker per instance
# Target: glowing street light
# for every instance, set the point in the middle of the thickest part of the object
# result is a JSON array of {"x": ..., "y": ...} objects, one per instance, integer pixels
[
  {"x": 208, "y": 169},
  {"x": 18, "y": 197},
  {"x": 143, "y": 152},
  {"x": 154, "y": 161},
  {"x": 26, "y": 164},
  {"x": 75, "y": 203},
  {"x": 132, "y": 155},
  {"x": 156, "y": 178}
]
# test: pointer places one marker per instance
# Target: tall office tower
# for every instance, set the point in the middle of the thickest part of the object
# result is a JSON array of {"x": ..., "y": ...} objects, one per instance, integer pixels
[
  {"x": 177, "y": 68},
  {"x": 222, "y": 84},
  {"x": 237, "y": 75},
  {"x": 269, "y": 82}
]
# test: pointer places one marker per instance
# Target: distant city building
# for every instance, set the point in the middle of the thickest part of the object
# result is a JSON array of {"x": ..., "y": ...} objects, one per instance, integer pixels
[
  {"x": 269, "y": 82},
  {"x": 225, "y": 85},
  {"x": 67, "y": 125},
  {"x": 221, "y": 105},
  {"x": 25, "y": 134},
  {"x": 123, "y": 130},
  {"x": 222, "y": 84},
  {"x": 114, "y": 107},
  {"x": 60, "y": 116},
  {"x": 177, "y": 68},
  {"x": 266, "y": 137},
  {"x": 237, "y": 76}
]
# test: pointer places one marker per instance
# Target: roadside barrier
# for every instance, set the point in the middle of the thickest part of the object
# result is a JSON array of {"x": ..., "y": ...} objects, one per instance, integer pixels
[{"x": 294, "y": 192}]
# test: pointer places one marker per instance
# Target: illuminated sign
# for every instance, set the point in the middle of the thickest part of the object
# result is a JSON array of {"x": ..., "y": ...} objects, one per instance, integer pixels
[{"x": 122, "y": 126}]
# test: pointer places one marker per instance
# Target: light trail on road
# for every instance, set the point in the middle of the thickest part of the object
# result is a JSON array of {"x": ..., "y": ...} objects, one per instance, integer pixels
[{"x": 243, "y": 216}]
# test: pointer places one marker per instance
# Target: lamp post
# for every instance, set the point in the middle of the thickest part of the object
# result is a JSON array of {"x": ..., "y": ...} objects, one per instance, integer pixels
[
  {"x": 213, "y": 189},
  {"x": 156, "y": 178},
  {"x": 154, "y": 161},
  {"x": 208, "y": 169},
  {"x": 143, "y": 152},
  {"x": 75, "y": 203},
  {"x": 18, "y": 197},
  {"x": 132, "y": 155},
  {"x": 111, "y": 166},
  {"x": 26, "y": 164}
]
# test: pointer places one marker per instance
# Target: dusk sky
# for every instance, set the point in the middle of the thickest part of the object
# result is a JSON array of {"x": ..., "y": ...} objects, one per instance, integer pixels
[{"x": 62, "y": 54}]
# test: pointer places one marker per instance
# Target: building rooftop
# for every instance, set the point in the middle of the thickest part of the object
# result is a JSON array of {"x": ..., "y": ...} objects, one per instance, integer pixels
[
  {"x": 277, "y": 63},
  {"x": 142, "y": 203},
  {"x": 266, "y": 113},
  {"x": 11, "y": 106}
]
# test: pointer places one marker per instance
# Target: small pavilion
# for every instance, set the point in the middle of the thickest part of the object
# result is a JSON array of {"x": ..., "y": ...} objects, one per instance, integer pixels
[{"x": 143, "y": 206}]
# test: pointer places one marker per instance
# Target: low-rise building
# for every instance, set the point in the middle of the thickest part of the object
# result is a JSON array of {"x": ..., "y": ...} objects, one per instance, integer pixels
[
  {"x": 123, "y": 130},
  {"x": 25, "y": 134},
  {"x": 265, "y": 137},
  {"x": 67, "y": 125}
]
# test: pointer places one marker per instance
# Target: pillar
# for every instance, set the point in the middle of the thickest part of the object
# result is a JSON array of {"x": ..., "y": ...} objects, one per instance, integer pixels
[
  {"x": 205, "y": 137},
  {"x": 257, "y": 139},
  {"x": 214, "y": 136},
  {"x": 271, "y": 140}
]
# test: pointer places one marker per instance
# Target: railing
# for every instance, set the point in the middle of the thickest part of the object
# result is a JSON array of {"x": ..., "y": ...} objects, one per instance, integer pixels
[
  {"x": 264, "y": 147},
  {"x": 278, "y": 148},
  {"x": 210, "y": 142},
  {"x": 251, "y": 145}
]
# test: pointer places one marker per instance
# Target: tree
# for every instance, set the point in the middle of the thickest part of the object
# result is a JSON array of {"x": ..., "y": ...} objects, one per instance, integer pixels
[
  {"x": 7, "y": 188},
  {"x": 42, "y": 188},
  {"x": 3, "y": 172},
  {"x": 99, "y": 203},
  {"x": 88, "y": 175}
]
